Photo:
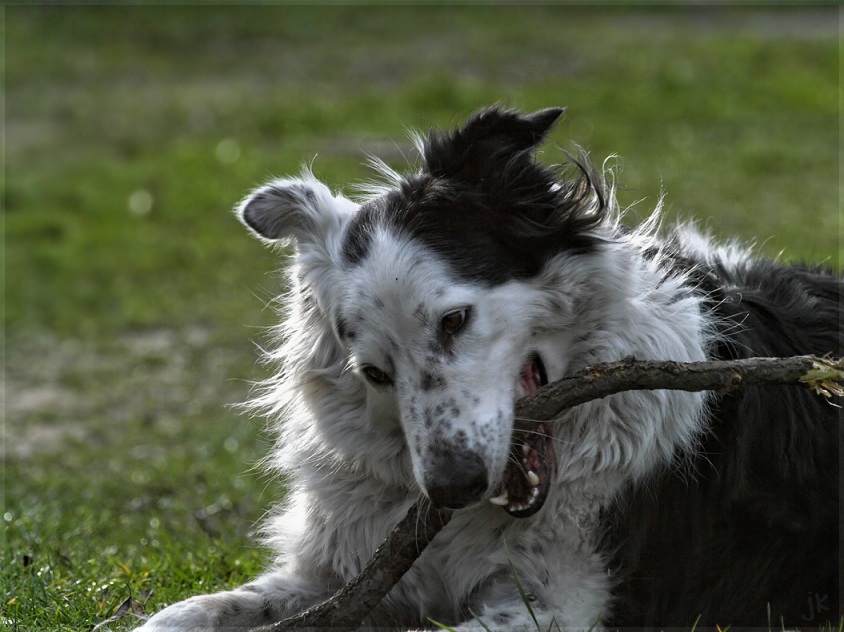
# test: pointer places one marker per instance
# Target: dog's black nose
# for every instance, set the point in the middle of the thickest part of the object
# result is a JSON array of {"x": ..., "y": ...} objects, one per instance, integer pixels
[{"x": 456, "y": 479}]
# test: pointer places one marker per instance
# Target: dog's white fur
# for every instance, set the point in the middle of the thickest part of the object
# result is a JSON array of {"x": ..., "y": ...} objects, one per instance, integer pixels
[{"x": 355, "y": 454}]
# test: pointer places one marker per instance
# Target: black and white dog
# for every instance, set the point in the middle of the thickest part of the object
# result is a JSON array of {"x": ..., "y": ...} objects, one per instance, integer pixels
[{"x": 418, "y": 317}]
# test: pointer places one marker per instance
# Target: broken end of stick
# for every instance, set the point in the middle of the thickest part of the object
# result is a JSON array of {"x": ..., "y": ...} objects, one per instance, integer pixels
[{"x": 825, "y": 377}]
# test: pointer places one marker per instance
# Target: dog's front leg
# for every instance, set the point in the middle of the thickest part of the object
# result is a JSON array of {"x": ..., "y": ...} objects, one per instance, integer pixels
[
  {"x": 516, "y": 615},
  {"x": 268, "y": 599},
  {"x": 571, "y": 595}
]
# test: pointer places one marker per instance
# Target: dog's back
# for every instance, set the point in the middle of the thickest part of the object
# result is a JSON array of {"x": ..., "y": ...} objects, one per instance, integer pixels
[{"x": 752, "y": 526}]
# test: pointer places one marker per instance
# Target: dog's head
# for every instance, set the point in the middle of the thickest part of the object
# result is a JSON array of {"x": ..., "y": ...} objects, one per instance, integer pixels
[{"x": 434, "y": 291}]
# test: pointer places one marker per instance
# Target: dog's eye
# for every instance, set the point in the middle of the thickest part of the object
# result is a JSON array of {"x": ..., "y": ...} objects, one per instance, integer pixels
[
  {"x": 453, "y": 321},
  {"x": 377, "y": 376}
]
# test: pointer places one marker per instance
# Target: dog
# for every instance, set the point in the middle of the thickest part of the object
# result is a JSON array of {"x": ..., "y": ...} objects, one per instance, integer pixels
[{"x": 419, "y": 314}]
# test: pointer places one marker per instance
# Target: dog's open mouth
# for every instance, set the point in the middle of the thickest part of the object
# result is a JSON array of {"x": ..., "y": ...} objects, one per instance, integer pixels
[{"x": 532, "y": 462}]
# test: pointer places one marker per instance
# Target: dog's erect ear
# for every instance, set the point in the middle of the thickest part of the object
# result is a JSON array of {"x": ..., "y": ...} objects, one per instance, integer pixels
[
  {"x": 300, "y": 208},
  {"x": 490, "y": 136}
]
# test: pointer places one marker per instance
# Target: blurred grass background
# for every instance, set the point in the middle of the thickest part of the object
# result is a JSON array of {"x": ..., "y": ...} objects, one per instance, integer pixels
[{"x": 132, "y": 295}]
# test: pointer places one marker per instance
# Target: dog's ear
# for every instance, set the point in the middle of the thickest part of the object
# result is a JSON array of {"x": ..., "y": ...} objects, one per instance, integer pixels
[
  {"x": 300, "y": 208},
  {"x": 489, "y": 138}
]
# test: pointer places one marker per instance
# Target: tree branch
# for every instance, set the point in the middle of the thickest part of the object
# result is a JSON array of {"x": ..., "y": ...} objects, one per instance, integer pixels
[
  {"x": 352, "y": 603},
  {"x": 722, "y": 376}
]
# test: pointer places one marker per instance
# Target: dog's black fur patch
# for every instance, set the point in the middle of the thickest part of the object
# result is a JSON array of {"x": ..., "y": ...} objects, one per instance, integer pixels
[
  {"x": 484, "y": 204},
  {"x": 755, "y": 526}
]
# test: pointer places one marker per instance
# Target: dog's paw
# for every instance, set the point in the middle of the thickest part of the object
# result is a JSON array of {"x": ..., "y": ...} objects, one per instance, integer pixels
[{"x": 191, "y": 615}]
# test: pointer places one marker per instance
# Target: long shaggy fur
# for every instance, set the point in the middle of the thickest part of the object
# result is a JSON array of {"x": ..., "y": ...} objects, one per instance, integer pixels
[{"x": 417, "y": 318}]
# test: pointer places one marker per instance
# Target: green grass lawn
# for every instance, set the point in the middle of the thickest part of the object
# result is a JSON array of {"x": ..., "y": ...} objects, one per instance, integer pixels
[{"x": 133, "y": 297}]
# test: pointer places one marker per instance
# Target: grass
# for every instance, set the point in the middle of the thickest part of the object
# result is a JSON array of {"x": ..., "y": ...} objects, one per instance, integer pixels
[{"x": 132, "y": 296}]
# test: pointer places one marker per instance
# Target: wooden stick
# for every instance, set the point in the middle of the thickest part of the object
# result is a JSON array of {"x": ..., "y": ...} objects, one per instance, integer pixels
[
  {"x": 352, "y": 603},
  {"x": 722, "y": 376}
]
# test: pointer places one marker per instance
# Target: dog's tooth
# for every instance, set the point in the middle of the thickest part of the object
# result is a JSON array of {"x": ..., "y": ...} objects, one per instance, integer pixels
[
  {"x": 501, "y": 500},
  {"x": 525, "y": 449},
  {"x": 534, "y": 493},
  {"x": 533, "y": 479}
]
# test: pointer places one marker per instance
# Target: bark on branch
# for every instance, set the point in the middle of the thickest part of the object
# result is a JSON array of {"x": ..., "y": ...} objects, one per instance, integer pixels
[{"x": 352, "y": 603}]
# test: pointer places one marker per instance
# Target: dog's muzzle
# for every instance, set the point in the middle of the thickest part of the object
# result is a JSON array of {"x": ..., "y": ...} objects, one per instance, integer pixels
[{"x": 456, "y": 479}]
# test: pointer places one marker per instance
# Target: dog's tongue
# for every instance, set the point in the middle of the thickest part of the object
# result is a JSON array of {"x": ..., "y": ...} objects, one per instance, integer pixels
[{"x": 530, "y": 379}]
